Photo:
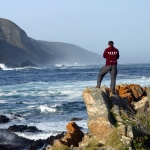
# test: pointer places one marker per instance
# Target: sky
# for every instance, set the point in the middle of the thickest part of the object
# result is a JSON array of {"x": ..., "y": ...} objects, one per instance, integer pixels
[{"x": 89, "y": 24}]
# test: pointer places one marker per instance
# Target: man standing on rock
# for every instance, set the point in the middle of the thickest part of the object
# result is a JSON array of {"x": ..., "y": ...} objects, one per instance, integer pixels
[{"x": 111, "y": 54}]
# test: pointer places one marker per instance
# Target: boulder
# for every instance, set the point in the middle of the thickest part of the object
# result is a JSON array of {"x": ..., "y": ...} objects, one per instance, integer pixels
[
  {"x": 22, "y": 128},
  {"x": 4, "y": 119},
  {"x": 143, "y": 103},
  {"x": 97, "y": 104},
  {"x": 72, "y": 137},
  {"x": 133, "y": 92}
]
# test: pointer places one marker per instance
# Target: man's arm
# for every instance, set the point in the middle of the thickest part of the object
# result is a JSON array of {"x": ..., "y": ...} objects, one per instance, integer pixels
[
  {"x": 118, "y": 55},
  {"x": 104, "y": 54}
]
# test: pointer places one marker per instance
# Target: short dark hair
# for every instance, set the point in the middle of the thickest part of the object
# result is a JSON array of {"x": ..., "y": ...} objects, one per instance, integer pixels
[{"x": 110, "y": 43}]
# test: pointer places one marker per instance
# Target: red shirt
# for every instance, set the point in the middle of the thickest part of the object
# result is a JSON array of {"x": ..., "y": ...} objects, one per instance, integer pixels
[{"x": 111, "y": 54}]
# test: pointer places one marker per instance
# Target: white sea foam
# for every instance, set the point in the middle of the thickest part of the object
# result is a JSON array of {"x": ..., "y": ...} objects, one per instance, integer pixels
[
  {"x": 26, "y": 68},
  {"x": 45, "y": 109},
  {"x": 4, "y": 67},
  {"x": 36, "y": 136},
  {"x": 66, "y": 65},
  {"x": 58, "y": 65}
]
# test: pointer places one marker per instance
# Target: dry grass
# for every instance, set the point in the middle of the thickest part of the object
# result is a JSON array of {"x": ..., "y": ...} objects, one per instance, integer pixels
[
  {"x": 114, "y": 141},
  {"x": 139, "y": 120},
  {"x": 142, "y": 121},
  {"x": 60, "y": 147},
  {"x": 93, "y": 145}
]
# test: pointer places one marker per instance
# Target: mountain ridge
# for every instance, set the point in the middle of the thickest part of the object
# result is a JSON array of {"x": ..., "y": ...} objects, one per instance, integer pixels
[{"x": 16, "y": 47}]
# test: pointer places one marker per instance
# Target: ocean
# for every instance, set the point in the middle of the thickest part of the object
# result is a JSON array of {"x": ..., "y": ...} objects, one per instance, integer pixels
[{"x": 50, "y": 97}]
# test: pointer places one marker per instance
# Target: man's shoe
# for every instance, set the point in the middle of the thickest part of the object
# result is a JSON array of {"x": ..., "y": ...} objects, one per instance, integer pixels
[{"x": 97, "y": 86}]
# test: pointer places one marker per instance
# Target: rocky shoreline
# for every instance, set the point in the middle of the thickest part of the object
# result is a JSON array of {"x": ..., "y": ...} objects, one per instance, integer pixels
[
  {"x": 114, "y": 124},
  {"x": 9, "y": 140}
]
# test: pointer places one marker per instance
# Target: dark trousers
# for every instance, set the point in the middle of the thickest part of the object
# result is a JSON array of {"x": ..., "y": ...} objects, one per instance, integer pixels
[{"x": 113, "y": 72}]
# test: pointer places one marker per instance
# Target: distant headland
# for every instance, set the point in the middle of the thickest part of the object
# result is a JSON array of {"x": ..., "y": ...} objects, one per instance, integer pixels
[{"x": 16, "y": 47}]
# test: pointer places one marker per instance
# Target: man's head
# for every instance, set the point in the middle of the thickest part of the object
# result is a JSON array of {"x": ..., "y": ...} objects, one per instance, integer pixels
[{"x": 110, "y": 43}]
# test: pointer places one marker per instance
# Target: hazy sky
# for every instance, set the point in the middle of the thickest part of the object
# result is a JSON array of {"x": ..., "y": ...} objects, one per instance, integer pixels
[{"x": 89, "y": 24}]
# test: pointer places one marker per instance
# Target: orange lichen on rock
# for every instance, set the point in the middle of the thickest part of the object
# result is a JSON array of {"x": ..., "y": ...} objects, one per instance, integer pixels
[
  {"x": 135, "y": 90},
  {"x": 122, "y": 89}
]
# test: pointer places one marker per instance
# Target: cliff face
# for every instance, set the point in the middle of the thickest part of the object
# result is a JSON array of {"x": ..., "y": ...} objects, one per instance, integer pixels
[
  {"x": 14, "y": 35},
  {"x": 117, "y": 120},
  {"x": 16, "y": 47}
]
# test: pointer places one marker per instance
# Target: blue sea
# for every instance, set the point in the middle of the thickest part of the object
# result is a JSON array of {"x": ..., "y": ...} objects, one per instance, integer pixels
[{"x": 50, "y": 97}]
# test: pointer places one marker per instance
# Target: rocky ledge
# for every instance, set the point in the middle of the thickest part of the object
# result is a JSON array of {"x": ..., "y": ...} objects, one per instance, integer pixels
[{"x": 117, "y": 120}]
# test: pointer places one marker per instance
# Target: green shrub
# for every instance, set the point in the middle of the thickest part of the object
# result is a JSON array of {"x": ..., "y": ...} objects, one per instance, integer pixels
[
  {"x": 114, "y": 141},
  {"x": 93, "y": 145},
  {"x": 139, "y": 143},
  {"x": 140, "y": 121}
]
